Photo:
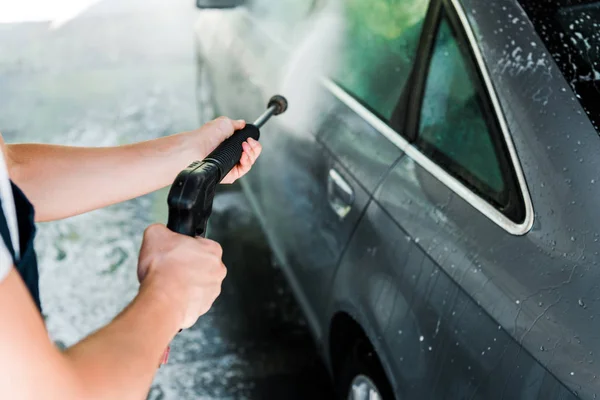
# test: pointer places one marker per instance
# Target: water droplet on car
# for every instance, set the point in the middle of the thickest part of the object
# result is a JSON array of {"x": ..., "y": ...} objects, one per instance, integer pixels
[
  {"x": 572, "y": 238},
  {"x": 430, "y": 348},
  {"x": 540, "y": 304},
  {"x": 572, "y": 373},
  {"x": 421, "y": 338},
  {"x": 518, "y": 302},
  {"x": 542, "y": 348},
  {"x": 581, "y": 303}
]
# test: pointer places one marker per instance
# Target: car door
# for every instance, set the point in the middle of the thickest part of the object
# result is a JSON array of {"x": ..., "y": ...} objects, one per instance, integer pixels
[
  {"x": 440, "y": 222},
  {"x": 307, "y": 201}
]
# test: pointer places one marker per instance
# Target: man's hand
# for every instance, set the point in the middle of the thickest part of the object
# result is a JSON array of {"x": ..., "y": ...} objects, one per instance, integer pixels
[
  {"x": 214, "y": 133},
  {"x": 186, "y": 272},
  {"x": 63, "y": 181}
]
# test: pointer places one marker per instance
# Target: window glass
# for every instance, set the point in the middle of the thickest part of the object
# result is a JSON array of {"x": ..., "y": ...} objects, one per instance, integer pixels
[
  {"x": 453, "y": 130},
  {"x": 378, "y": 50}
]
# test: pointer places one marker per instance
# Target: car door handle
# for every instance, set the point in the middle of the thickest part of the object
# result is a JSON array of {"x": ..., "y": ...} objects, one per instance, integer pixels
[{"x": 339, "y": 194}]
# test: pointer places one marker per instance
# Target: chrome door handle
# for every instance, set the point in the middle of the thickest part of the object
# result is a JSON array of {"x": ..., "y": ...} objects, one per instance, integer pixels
[{"x": 339, "y": 194}]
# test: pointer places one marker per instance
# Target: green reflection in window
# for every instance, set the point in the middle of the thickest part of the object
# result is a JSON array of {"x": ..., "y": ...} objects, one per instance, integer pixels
[
  {"x": 452, "y": 123},
  {"x": 379, "y": 49}
]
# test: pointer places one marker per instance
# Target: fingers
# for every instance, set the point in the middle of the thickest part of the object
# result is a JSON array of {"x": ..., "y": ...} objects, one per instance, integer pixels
[
  {"x": 252, "y": 148},
  {"x": 154, "y": 231},
  {"x": 223, "y": 127},
  {"x": 228, "y": 125},
  {"x": 239, "y": 124},
  {"x": 211, "y": 246}
]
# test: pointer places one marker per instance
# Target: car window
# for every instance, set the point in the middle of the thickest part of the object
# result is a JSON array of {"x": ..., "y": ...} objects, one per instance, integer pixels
[
  {"x": 378, "y": 50},
  {"x": 454, "y": 130}
]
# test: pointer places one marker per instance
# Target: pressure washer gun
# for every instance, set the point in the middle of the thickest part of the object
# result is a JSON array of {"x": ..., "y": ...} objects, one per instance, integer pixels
[{"x": 191, "y": 196}]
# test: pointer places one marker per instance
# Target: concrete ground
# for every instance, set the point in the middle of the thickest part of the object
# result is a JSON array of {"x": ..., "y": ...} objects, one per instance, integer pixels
[{"x": 121, "y": 72}]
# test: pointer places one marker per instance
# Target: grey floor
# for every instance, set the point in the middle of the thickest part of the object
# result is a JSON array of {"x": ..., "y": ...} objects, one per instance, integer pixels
[{"x": 121, "y": 72}]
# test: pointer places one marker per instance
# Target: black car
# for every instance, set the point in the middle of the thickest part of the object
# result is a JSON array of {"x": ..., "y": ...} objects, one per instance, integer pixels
[{"x": 432, "y": 193}]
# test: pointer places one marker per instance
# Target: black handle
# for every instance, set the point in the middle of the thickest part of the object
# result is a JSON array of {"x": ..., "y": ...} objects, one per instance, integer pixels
[
  {"x": 191, "y": 196},
  {"x": 228, "y": 154}
]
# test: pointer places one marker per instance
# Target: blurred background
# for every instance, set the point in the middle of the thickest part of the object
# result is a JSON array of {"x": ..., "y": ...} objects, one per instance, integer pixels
[{"x": 109, "y": 72}]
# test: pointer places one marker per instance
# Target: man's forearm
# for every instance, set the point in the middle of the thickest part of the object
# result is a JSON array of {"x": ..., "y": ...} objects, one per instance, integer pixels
[
  {"x": 117, "y": 362},
  {"x": 120, "y": 360},
  {"x": 62, "y": 181}
]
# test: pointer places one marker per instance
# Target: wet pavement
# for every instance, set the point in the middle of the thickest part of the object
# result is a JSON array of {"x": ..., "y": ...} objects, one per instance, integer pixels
[{"x": 121, "y": 72}]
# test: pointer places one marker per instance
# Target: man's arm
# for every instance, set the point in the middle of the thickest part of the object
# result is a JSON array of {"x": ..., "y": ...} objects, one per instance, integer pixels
[
  {"x": 120, "y": 360},
  {"x": 63, "y": 181}
]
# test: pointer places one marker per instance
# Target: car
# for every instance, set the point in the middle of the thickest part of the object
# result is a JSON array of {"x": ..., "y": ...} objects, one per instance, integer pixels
[{"x": 432, "y": 192}]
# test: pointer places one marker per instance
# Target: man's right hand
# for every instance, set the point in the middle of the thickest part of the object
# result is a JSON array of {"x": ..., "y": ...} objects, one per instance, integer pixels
[{"x": 185, "y": 271}]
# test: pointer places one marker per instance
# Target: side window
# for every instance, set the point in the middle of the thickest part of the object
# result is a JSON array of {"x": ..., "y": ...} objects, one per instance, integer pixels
[
  {"x": 458, "y": 132},
  {"x": 378, "y": 50}
]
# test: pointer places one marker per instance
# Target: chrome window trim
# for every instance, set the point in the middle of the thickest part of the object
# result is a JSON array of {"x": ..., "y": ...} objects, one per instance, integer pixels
[{"x": 452, "y": 183}]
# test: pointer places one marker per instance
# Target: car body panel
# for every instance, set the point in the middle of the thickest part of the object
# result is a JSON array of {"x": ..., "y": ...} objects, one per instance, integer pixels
[
  {"x": 433, "y": 339},
  {"x": 422, "y": 260},
  {"x": 558, "y": 148},
  {"x": 360, "y": 147},
  {"x": 534, "y": 286},
  {"x": 289, "y": 183}
]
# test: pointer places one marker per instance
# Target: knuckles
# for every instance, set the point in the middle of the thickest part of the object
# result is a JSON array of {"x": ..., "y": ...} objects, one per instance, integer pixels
[
  {"x": 214, "y": 247},
  {"x": 220, "y": 273},
  {"x": 152, "y": 231},
  {"x": 224, "y": 125}
]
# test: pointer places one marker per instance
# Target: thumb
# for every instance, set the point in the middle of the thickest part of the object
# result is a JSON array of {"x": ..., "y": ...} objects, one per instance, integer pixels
[
  {"x": 224, "y": 127},
  {"x": 155, "y": 231}
]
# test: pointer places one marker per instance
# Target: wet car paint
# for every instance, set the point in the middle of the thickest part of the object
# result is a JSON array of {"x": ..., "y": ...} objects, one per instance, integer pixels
[
  {"x": 558, "y": 148},
  {"x": 455, "y": 306}
]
